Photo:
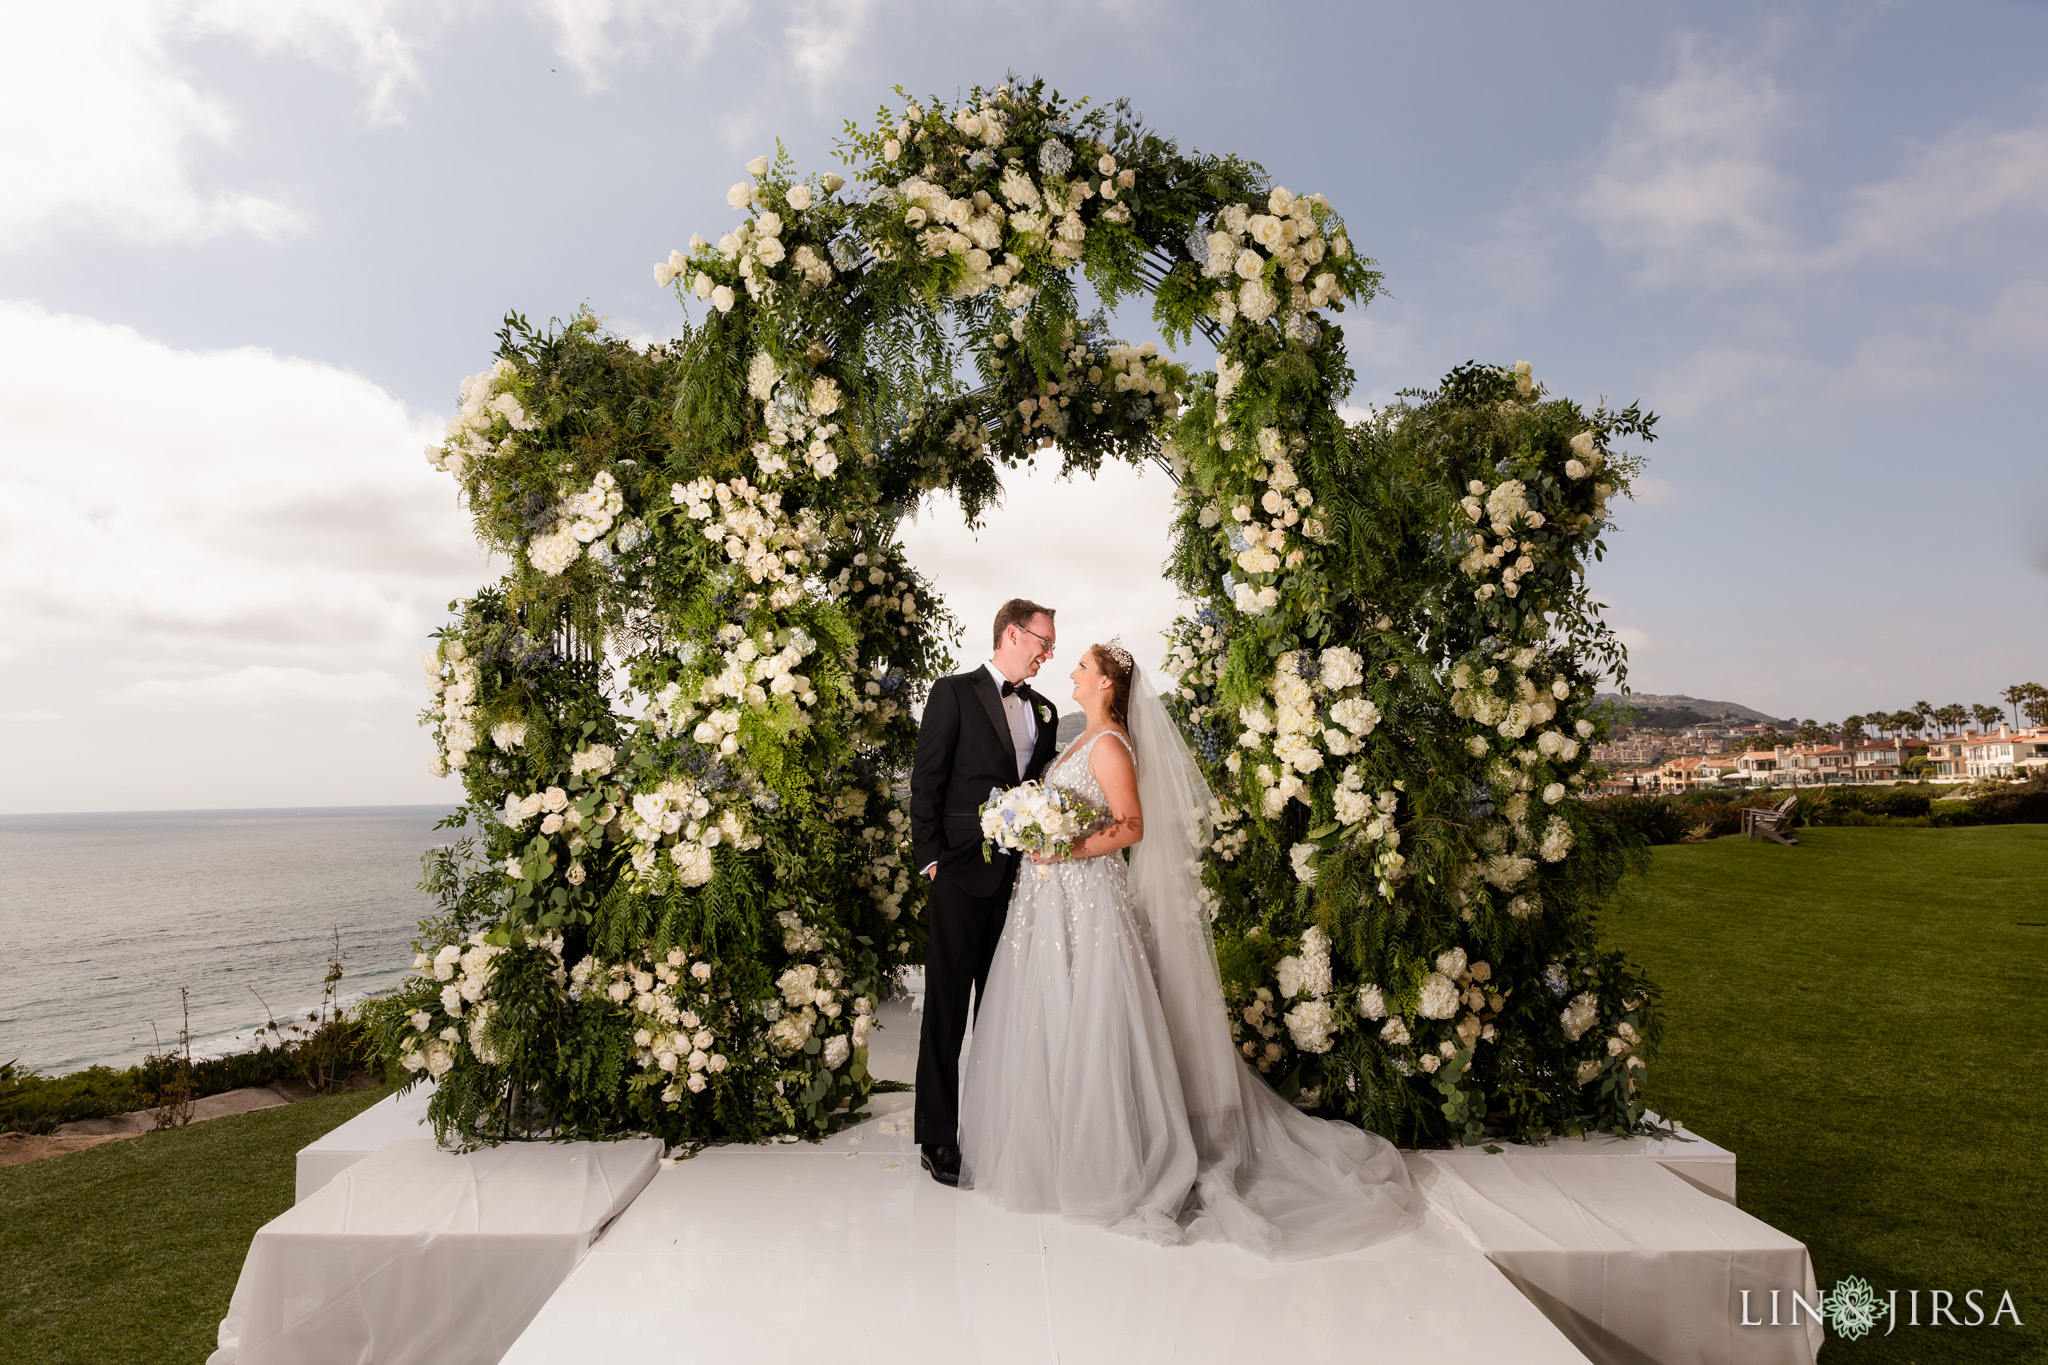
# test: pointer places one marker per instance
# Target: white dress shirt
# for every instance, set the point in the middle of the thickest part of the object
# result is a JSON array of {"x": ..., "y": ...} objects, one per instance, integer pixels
[{"x": 1022, "y": 717}]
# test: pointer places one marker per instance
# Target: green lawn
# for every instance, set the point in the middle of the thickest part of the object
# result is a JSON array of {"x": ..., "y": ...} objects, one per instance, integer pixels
[
  {"x": 128, "y": 1252},
  {"x": 1860, "y": 1019}
]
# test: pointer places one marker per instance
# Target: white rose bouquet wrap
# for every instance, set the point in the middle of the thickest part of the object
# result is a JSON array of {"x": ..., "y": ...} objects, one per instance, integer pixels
[{"x": 1031, "y": 818}]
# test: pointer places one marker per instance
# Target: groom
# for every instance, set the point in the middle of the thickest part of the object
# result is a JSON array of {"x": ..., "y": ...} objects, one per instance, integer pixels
[{"x": 982, "y": 729}]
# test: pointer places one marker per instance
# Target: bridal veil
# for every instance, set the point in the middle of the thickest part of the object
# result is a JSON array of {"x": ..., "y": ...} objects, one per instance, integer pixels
[{"x": 1271, "y": 1179}]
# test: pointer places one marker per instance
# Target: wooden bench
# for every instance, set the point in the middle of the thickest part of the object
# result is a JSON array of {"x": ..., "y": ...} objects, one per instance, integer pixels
[{"x": 1770, "y": 822}]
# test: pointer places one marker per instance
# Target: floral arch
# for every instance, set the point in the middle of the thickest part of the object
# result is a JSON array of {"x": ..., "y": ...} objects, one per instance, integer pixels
[{"x": 682, "y": 718}]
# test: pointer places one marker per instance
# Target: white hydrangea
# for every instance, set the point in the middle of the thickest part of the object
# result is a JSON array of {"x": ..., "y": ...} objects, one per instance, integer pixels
[
  {"x": 1342, "y": 668},
  {"x": 1312, "y": 1024},
  {"x": 1372, "y": 1001},
  {"x": 1357, "y": 714},
  {"x": 1439, "y": 998},
  {"x": 1581, "y": 1014}
]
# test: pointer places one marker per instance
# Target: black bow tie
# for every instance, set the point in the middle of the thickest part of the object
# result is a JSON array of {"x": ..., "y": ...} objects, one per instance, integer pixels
[{"x": 1010, "y": 687}]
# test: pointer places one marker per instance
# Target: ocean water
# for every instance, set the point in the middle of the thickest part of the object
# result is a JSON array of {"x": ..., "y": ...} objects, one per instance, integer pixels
[{"x": 106, "y": 916}]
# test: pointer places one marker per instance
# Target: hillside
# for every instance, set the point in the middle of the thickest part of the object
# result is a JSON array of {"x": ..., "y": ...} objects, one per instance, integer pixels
[{"x": 1676, "y": 711}]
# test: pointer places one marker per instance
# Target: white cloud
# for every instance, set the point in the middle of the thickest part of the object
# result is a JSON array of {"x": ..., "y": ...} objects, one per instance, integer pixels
[
  {"x": 1689, "y": 183},
  {"x": 1948, "y": 191},
  {"x": 108, "y": 129},
  {"x": 377, "y": 42},
  {"x": 263, "y": 688},
  {"x": 595, "y": 37},
  {"x": 1926, "y": 351},
  {"x": 224, "y": 495},
  {"x": 1092, "y": 549},
  {"x": 824, "y": 36},
  {"x": 103, "y": 131},
  {"x": 247, "y": 542}
]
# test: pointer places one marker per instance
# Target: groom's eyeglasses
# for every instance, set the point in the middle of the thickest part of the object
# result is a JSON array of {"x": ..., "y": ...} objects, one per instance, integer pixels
[{"x": 1046, "y": 651}]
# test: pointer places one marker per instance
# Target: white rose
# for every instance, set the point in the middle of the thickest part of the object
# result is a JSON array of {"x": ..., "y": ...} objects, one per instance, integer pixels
[
  {"x": 799, "y": 197},
  {"x": 758, "y": 167},
  {"x": 739, "y": 196}
]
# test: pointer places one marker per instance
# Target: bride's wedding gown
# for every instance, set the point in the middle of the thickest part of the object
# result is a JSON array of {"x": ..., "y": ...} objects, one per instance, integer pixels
[{"x": 1102, "y": 1084}]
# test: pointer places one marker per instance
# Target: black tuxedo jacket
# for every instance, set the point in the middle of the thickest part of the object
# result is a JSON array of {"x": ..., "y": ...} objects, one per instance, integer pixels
[{"x": 963, "y": 751}]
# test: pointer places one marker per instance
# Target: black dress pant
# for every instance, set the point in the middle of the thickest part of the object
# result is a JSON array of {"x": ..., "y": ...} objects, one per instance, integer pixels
[{"x": 961, "y": 945}]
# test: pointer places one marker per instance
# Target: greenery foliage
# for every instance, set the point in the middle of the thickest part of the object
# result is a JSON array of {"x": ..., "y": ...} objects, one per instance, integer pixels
[{"x": 682, "y": 716}]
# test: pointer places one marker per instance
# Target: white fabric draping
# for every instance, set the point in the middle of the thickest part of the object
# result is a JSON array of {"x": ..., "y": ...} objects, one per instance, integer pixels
[
  {"x": 1630, "y": 1261},
  {"x": 414, "y": 1256},
  {"x": 390, "y": 1119}
]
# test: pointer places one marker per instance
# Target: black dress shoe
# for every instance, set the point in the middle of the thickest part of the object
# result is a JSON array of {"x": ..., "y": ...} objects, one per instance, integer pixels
[{"x": 942, "y": 1162}]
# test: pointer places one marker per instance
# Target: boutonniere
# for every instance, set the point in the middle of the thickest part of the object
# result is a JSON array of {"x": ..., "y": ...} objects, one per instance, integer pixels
[{"x": 1045, "y": 712}]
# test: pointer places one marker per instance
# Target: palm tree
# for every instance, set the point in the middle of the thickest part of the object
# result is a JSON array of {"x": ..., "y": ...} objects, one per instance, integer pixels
[
  {"x": 1852, "y": 732},
  {"x": 1954, "y": 716},
  {"x": 1987, "y": 716},
  {"x": 1923, "y": 714},
  {"x": 2037, "y": 703},
  {"x": 2014, "y": 695}
]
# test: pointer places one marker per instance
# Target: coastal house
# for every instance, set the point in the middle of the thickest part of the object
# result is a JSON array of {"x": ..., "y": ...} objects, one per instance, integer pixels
[
  {"x": 2007, "y": 753},
  {"x": 1817, "y": 762},
  {"x": 1758, "y": 765},
  {"x": 1629, "y": 751},
  {"x": 1713, "y": 767},
  {"x": 1678, "y": 774},
  {"x": 1946, "y": 755},
  {"x": 1882, "y": 760}
]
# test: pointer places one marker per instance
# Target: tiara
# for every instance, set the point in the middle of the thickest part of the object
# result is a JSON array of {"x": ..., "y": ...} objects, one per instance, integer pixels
[{"x": 1115, "y": 650}]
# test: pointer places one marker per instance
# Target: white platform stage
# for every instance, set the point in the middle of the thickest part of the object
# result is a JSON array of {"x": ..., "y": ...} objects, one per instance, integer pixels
[{"x": 1604, "y": 1251}]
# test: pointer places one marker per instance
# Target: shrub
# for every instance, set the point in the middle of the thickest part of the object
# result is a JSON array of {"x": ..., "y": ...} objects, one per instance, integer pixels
[
  {"x": 2027, "y": 805},
  {"x": 33, "y": 1103},
  {"x": 1656, "y": 819}
]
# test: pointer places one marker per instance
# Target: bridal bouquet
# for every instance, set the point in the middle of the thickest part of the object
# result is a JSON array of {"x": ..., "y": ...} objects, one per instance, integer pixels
[{"x": 1030, "y": 818}]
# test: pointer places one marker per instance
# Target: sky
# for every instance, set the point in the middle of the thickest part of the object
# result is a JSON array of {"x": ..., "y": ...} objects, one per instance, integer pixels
[{"x": 249, "y": 247}]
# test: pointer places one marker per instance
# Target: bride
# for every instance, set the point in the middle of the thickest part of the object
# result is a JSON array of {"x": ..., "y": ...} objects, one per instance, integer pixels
[{"x": 1102, "y": 1083}]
